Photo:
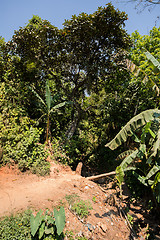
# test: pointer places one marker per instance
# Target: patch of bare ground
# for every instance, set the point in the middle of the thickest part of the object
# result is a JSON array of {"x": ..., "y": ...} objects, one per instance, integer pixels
[{"x": 20, "y": 191}]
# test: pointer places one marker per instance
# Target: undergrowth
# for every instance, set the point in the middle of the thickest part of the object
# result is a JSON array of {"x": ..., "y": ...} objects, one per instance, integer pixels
[
  {"x": 20, "y": 142},
  {"x": 78, "y": 206},
  {"x": 16, "y": 227},
  {"x": 24, "y": 226}
]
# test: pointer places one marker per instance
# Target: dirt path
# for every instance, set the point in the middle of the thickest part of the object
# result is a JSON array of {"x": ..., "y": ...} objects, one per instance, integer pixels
[{"x": 20, "y": 191}]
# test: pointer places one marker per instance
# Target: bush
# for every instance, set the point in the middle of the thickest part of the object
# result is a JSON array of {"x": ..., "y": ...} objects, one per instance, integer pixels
[{"x": 20, "y": 142}]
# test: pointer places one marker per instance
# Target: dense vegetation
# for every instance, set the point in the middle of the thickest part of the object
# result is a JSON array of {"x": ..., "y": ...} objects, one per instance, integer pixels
[{"x": 70, "y": 91}]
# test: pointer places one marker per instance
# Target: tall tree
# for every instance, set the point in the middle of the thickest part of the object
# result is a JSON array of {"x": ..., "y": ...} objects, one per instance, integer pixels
[{"x": 76, "y": 58}]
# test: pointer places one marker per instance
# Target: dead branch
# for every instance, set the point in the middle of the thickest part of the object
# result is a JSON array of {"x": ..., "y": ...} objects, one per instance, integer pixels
[{"x": 101, "y": 176}]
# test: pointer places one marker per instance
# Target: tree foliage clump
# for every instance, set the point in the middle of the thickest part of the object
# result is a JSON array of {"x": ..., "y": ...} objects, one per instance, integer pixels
[{"x": 77, "y": 61}]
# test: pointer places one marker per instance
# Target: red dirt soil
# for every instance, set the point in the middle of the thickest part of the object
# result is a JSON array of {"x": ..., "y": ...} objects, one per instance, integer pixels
[{"x": 20, "y": 191}]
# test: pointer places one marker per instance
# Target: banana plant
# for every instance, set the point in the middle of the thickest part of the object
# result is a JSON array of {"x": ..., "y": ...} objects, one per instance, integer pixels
[
  {"x": 147, "y": 151},
  {"x": 149, "y": 142},
  {"x": 135, "y": 123},
  {"x": 48, "y": 106}
]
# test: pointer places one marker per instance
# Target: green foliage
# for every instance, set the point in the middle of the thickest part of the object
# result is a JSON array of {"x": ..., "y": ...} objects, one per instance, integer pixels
[
  {"x": 26, "y": 226},
  {"x": 94, "y": 199},
  {"x": 120, "y": 177},
  {"x": 20, "y": 142},
  {"x": 74, "y": 59},
  {"x": 130, "y": 218},
  {"x": 72, "y": 198},
  {"x": 135, "y": 123},
  {"x": 153, "y": 60},
  {"x": 60, "y": 153},
  {"x": 16, "y": 227},
  {"x": 83, "y": 56},
  {"x": 70, "y": 236},
  {"x": 146, "y": 48},
  {"x": 59, "y": 220},
  {"x": 80, "y": 207},
  {"x": 81, "y": 238},
  {"x": 145, "y": 159},
  {"x": 45, "y": 225}
]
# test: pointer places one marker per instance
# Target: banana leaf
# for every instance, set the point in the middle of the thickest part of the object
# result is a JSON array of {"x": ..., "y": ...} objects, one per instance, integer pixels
[
  {"x": 142, "y": 179},
  {"x": 156, "y": 180},
  {"x": 153, "y": 171},
  {"x": 134, "y": 124},
  {"x": 152, "y": 59},
  {"x": 38, "y": 96},
  {"x": 129, "y": 159},
  {"x": 48, "y": 96},
  {"x": 124, "y": 154}
]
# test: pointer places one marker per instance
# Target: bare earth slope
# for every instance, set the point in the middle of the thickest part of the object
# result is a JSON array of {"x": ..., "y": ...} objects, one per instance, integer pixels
[{"x": 19, "y": 191}]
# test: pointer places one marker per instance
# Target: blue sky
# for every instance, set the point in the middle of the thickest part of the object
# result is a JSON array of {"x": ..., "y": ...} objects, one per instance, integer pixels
[{"x": 16, "y": 13}]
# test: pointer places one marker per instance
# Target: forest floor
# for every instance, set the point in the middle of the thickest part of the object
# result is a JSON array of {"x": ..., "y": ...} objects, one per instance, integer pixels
[{"x": 106, "y": 220}]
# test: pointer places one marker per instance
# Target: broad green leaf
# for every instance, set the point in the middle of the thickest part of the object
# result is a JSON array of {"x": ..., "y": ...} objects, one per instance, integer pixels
[
  {"x": 142, "y": 148},
  {"x": 58, "y": 106},
  {"x": 35, "y": 222},
  {"x": 152, "y": 133},
  {"x": 155, "y": 148},
  {"x": 145, "y": 130},
  {"x": 156, "y": 145},
  {"x": 41, "y": 230},
  {"x": 142, "y": 151},
  {"x": 142, "y": 179},
  {"x": 152, "y": 59},
  {"x": 120, "y": 174},
  {"x": 48, "y": 96},
  {"x": 124, "y": 154},
  {"x": 37, "y": 95},
  {"x": 130, "y": 169},
  {"x": 129, "y": 159},
  {"x": 156, "y": 180},
  {"x": 153, "y": 171},
  {"x": 134, "y": 124},
  {"x": 59, "y": 220}
]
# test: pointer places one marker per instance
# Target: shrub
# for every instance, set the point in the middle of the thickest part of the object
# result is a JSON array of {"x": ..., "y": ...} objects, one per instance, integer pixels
[
  {"x": 80, "y": 207},
  {"x": 20, "y": 142}
]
